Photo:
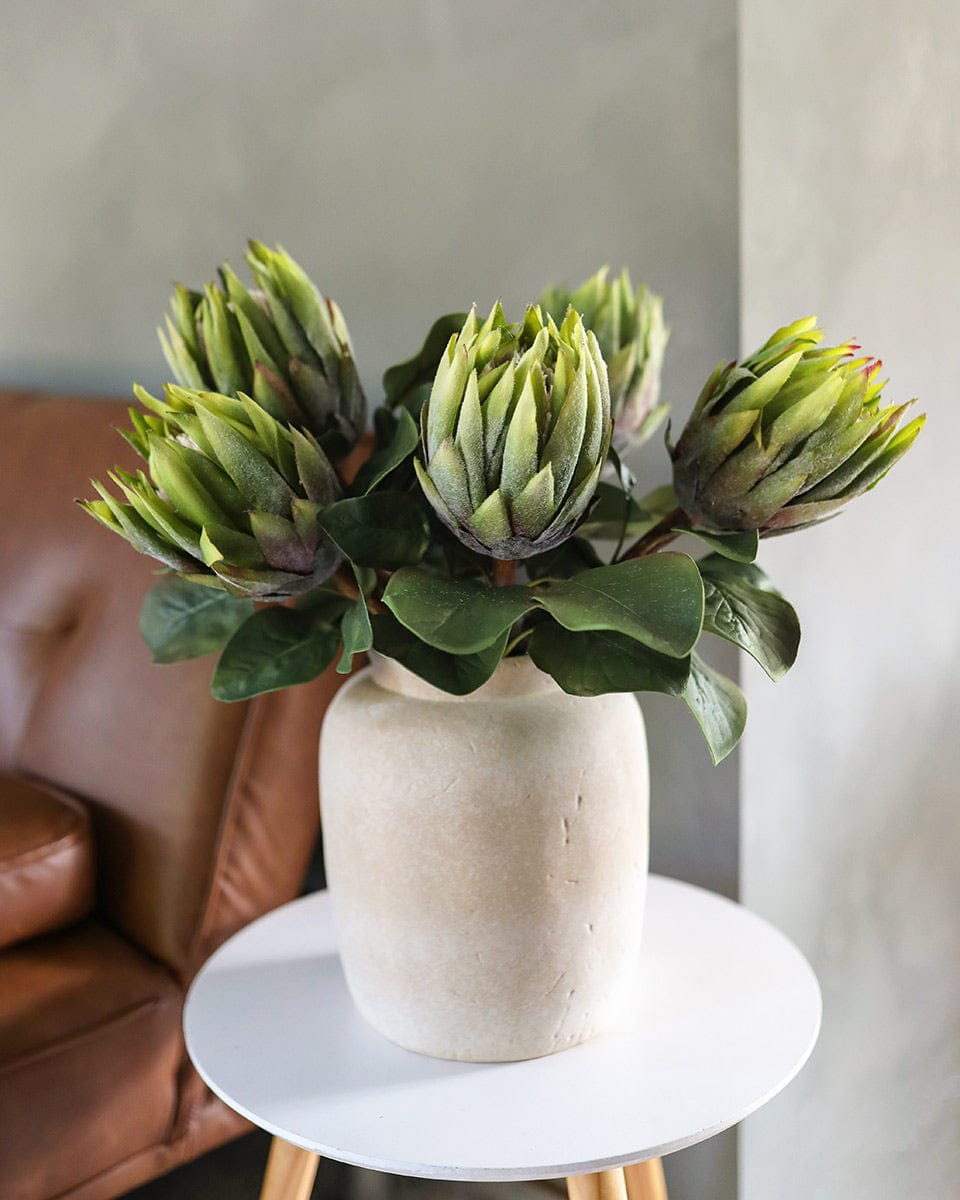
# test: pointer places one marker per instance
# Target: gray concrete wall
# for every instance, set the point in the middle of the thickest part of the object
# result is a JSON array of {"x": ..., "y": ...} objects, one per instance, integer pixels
[
  {"x": 414, "y": 157},
  {"x": 851, "y": 822}
]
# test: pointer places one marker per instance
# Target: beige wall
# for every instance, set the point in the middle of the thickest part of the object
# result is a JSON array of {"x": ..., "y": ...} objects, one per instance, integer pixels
[
  {"x": 850, "y": 798},
  {"x": 415, "y": 157}
]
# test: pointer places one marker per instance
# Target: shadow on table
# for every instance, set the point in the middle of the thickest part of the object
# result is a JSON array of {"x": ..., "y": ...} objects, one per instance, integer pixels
[{"x": 311, "y": 1042}]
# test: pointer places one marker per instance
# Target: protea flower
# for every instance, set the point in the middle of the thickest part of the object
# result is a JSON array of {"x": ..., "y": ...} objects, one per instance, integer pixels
[
  {"x": 515, "y": 432},
  {"x": 284, "y": 344},
  {"x": 787, "y": 437},
  {"x": 232, "y": 496},
  {"x": 632, "y": 336}
]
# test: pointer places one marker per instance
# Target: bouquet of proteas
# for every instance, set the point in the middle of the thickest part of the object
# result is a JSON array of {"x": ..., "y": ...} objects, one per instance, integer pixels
[{"x": 490, "y": 514}]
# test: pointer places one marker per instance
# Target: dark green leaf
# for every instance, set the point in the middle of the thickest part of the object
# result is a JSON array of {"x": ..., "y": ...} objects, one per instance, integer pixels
[
  {"x": 742, "y": 607},
  {"x": 591, "y": 664},
  {"x": 181, "y": 620},
  {"x": 397, "y": 438},
  {"x": 616, "y": 514},
  {"x": 355, "y": 630},
  {"x": 718, "y": 705},
  {"x": 661, "y": 500},
  {"x": 657, "y": 600},
  {"x": 624, "y": 474},
  {"x": 400, "y": 380},
  {"x": 385, "y": 529},
  {"x": 323, "y": 604},
  {"x": 275, "y": 648},
  {"x": 458, "y": 674},
  {"x": 741, "y": 547},
  {"x": 460, "y": 616},
  {"x": 569, "y": 558}
]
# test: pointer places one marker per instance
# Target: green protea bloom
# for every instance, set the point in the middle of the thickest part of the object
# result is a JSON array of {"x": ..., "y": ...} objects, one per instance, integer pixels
[
  {"x": 632, "y": 336},
  {"x": 283, "y": 343},
  {"x": 787, "y": 437},
  {"x": 515, "y": 432},
  {"x": 232, "y": 498}
]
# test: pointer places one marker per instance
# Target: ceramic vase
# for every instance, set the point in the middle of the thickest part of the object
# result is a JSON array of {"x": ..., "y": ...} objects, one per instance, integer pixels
[{"x": 487, "y": 858}]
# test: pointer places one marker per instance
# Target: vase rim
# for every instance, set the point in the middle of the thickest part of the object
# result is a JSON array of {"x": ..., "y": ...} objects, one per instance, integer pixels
[{"x": 512, "y": 677}]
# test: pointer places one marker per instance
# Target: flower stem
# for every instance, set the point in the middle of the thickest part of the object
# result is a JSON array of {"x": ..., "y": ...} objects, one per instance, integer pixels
[
  {"x": 345, "y": 583},
  {"x": 504, "y": 572},
  {"x": 664, "y": 532}
]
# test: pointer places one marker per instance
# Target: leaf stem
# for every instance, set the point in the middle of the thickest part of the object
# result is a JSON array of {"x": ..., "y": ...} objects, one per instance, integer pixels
[
  {"x": 664, "y": 532},
  {"x": 511, "y": 646}
]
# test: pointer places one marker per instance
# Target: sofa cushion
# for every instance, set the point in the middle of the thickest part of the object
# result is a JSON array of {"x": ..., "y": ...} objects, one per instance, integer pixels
[
  {"x": 46, "y": 860},
  {"x": 90, "y": 1046}
]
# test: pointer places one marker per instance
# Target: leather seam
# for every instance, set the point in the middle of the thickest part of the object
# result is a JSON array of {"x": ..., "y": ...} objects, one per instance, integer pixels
[
  {"x": 184, "y": 1121},
  {"x": 228, "y": 828},
  {"x": 26, "y": 858},
  {"x": 79, "y": 1037},
  {"x": 242, "y": 1127}
]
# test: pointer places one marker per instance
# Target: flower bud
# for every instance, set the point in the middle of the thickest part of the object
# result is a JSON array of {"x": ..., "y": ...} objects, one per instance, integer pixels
[
  {"x": 283, "y": 343},
  {"x": 231, "y": 498},
  {"x": 788, "y": 436},
  {"x": 632, "y": 337},
  {"x": 515, "y": 432}
]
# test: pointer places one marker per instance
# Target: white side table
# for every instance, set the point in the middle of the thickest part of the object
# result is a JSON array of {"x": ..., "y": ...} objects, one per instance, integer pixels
[{"x": 727, "y": 1012}]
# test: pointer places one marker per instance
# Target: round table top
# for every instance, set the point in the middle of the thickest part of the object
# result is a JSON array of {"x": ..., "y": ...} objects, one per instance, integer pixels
[{"x": 727, "y": 1011}]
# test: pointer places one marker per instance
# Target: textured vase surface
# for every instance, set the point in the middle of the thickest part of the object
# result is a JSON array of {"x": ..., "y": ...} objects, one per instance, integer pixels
[{"x": 487, "y": 858}]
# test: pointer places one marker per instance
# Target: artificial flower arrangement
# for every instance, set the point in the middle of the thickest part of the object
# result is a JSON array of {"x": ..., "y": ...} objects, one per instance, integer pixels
[{"x": 493, "y": 515}]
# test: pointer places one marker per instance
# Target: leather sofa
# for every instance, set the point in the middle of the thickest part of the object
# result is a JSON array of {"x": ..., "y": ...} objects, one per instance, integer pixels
[{"x": 141, "y": 823}]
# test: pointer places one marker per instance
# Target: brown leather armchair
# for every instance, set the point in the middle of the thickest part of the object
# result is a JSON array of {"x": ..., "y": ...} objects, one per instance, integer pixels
[{"x": 202, "y": 816}]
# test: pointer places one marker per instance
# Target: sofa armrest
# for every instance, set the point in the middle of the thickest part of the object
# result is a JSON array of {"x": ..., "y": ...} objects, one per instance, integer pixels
[{"x": 46, "y": 860}]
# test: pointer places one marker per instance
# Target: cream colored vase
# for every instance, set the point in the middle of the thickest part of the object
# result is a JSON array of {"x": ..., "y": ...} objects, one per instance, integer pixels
[{"x": 487, "y": 858}]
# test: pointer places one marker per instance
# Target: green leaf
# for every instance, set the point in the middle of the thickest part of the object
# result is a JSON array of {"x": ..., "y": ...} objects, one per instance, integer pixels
[
  {"x": 397, "y": 438},
  {"x": 743, "y": 608},
  {"x": 323, "y": 604},
  {"x": 616, "y": 513},
  {"x": 458, "y": 674},
  {"x": 571, "y": 557},
  {"x": 741, "y": 547},
  {"x": 460, "y": 616},
  {"x": 384, "y": 529},
  {"x": 181, "y": 620},
  {"x": 599, "y": 661},
  {"x": 403, "y": 378},
  {"x": 273, "y": 649},
  {"x": 626, "y": 477},
  {"x": 661, "y": 500},
  {"x": 718, "y": 705},
  {"x": 355, "y": 630},
  {"x": 658, "y": 600}
]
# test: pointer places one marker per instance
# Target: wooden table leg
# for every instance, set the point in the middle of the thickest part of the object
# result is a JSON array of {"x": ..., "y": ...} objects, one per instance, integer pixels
[
  {"x": 645, "y": 1181},
  {"x": 604, "y": 1185},
  {"x": 290, "y": 1172}
]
